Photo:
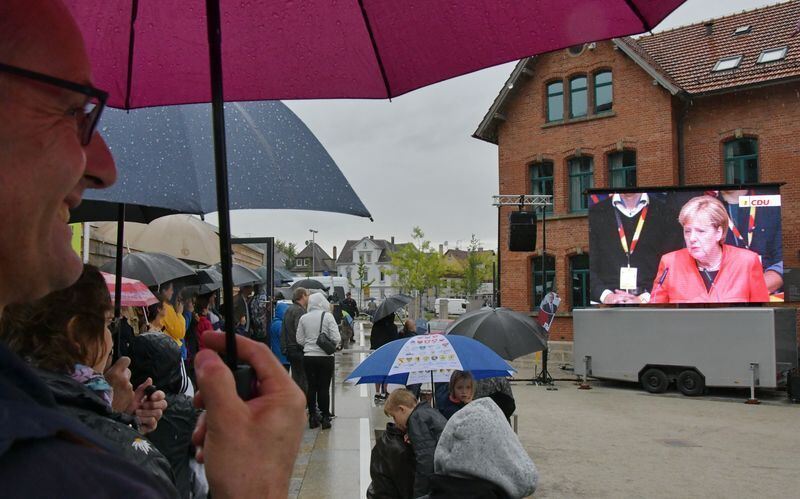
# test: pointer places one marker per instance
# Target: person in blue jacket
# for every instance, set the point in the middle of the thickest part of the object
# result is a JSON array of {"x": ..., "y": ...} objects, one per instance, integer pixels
[{"x": 275, "y": 334}]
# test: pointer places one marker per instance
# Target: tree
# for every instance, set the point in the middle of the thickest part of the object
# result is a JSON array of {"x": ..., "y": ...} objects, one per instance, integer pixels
[
  {"x": 477, "y": 268},
  {"x": 288, "y": 249},
  {"x": 419, "y": 267},
  {"x": 362, "y": 274}
]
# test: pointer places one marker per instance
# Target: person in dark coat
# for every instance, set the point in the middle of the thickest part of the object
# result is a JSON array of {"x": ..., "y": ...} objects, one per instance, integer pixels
[
  {"x": 66, "y": 337},
  {"x": 478, "y": 456},
  {"x": 391, "y": 466},
  {"x": 350, "y": 306},
  {"x": 383, "y": 331},
  {"x": 423, "y": 424},
  {"x": 155, "y": 356},
  {"x": 658, "y": 233},
  {"x": 289, "y": 346}
]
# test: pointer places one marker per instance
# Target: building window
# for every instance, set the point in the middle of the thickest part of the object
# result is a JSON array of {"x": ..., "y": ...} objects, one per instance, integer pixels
[
  {"x": 383, "y": 277},
  {"x": 579, "y": 266},
  {"x": 622, "y": 169},
  {"x": 772, "y": 55},
  {"x": 727, "y": 63},
  {"x": 603, "y": 92},
  {"x": 349, "y": 274},
  {"x": 581, "y": 177},
  {"x": 577, "y": 97},
  {"x": 549, "y": 274},
  {"x": 369, "y": 257},
  {"x": 555, "y": 101},
  {"x": 741, "y": 161},
  {"x": 542, "y": 179}
]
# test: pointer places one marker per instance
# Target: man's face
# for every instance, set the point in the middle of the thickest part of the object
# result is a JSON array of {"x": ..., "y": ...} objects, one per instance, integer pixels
[{"x": 44, "y": 169}]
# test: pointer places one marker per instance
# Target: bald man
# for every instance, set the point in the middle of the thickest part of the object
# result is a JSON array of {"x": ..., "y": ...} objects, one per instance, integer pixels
[{"x": 49, "y": 155}]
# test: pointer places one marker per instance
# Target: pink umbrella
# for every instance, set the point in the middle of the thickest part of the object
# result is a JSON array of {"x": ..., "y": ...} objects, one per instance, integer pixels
[
  {"x": 134, "y": 293},
  {"x": 312, "y": 49}
]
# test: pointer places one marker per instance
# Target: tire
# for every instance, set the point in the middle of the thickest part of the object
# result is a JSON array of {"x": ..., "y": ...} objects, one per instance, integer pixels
[
  {"x": 691, "y": 383},
  {"x": 654, "y": 381}
]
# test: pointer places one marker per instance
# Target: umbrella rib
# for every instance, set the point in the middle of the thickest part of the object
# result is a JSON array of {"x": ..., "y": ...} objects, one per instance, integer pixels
[
  {"x": 375, "y": 50},
  {"x": 134, "y": 14},
  {"x": 642, "y": 19}
]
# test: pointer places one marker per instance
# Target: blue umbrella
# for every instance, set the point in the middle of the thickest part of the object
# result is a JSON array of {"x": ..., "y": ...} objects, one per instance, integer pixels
[
  {"x": 419, "y": 358},
  {"x": 165, "y": 160}
]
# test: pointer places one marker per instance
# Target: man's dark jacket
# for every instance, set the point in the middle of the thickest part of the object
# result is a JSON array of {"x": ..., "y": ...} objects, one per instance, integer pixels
[
  {"x": 349, "y": 305},
  {"x": 391, "y": 466},
  {"x": 45, "y": 452},
  {"x": 291, "y": 319}
]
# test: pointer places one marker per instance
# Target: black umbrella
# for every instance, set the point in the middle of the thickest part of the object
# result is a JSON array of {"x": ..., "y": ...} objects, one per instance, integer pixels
[
  {"x": 281, "y": 277},
  {"x": 108, "y": 211},
  {"x": 283, "y": 293},
  {"x": 390, "y": 305},
  {"x": 242, "y": 276},
  {"x": 309, "y": 284},
  {"x": 153, "y": 269},
  {"x": 210, "y": 280},
  {"x": 510, "y": 334}
]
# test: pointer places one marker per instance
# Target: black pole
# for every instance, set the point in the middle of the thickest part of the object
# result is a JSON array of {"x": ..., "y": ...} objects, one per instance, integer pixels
[
  {"x": 118, "y": 263},
  {"x": 221, "y": 170},
  {"x": 544, "y": 377},
  {"x": 499, "y": 250},
  {"x": 270, "y": 273}
]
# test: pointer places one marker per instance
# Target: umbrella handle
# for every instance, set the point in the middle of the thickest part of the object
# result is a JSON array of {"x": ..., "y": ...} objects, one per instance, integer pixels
[
  {"x": 245, "y": 378},
  {"x": 433, "y": 392}
]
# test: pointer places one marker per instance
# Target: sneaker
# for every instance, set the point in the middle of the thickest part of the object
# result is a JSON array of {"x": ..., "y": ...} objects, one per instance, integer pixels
[
  {"x": 326, "y": 423},
  {"x": 384, "y": 396},
  {"x": 378, "y": 399}
]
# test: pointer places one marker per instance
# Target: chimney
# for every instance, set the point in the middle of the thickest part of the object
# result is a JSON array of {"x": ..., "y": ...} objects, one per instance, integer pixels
[
  {"x": 392, "y": 239},
  {"x": 441, "y": 249},
  {"x": 480, "y": 249},
  {"x": 372, "y": 237},
  {"x": 334, "y": 253},
  {"x": 709, "y": 28}
]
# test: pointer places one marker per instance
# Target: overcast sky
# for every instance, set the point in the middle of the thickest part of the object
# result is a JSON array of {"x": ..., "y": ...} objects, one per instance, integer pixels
[{"x": 413, "y": 161}]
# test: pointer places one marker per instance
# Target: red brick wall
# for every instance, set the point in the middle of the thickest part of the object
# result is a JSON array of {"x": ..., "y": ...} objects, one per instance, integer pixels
[{"x": 645, "y": 120}]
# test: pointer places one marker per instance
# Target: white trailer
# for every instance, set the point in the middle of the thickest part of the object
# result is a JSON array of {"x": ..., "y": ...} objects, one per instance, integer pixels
[{"x": 692, "y": 347}]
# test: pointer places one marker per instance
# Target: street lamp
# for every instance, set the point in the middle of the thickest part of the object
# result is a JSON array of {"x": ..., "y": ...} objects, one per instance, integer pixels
[{"x": 313, "y": 252}]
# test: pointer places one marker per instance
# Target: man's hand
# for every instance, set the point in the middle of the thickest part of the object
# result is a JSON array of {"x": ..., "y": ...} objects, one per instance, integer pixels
[
  {"x": 249, "y": 448},
  {"x": 148, "y": 410},
  {"x": 119, "y": 377}
]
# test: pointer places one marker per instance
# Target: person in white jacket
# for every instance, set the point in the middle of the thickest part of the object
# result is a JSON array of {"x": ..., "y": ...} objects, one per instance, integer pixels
[{"x": 317, "y": 364}]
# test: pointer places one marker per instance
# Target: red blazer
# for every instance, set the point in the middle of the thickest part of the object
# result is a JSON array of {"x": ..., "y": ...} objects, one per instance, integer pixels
[{"x": 740, "y": 279}]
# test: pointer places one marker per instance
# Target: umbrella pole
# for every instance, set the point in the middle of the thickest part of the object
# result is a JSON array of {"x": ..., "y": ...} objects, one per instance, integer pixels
[
  {"x": 118, "y": 263},
  {"x": 221, "y": 170},
  {"x": 433, "y": 392}
]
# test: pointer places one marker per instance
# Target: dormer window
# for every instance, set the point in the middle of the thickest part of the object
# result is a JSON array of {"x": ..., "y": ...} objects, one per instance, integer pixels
[
  {"x": 727, "y": 63},
  {"x": 743, "y": 30},
  {"x": 772, "y": 55}
]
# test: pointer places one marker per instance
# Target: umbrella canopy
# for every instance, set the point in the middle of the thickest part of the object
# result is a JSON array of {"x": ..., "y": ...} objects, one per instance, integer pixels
[
  {"x": 321, "y": 49},
  {"x": 242, "y": 276},
  {"x": 153, "y": 269},
  {"x": 416, "y": 359},
  {"x": 309, "y": 284},
  {"x": 210, "y": 280},
  {"x": 281, "y": 277},
  {"x": 182, "y": 236},
  {"x": 165, "y": 159},
  {"x": 390, "y": 305},
  {"x": 108, "y": 211},
  {"x": 134, "y": 293},
  {"x": 510, "y": 334},
  {"x": 283, "y": 293}
]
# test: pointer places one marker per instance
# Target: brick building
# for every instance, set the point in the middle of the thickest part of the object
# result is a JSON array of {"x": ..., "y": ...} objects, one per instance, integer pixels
[{"x": 710, "y": 103}]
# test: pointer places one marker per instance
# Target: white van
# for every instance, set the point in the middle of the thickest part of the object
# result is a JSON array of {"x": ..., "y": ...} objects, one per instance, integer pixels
[{"x": 455, "y": 306}]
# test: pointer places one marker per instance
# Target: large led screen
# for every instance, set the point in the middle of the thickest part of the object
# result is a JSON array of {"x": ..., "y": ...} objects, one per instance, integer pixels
[{"x": 720, "y": 245}]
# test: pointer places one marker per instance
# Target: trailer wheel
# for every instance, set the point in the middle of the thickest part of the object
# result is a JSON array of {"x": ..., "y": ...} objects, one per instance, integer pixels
[
  {"x": 655, "y": 381},
  {"x": 690, "y": 383}
]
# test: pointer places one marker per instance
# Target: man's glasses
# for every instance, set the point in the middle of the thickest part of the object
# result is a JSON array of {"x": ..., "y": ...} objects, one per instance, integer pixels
[{"x": 87, "y": 117}]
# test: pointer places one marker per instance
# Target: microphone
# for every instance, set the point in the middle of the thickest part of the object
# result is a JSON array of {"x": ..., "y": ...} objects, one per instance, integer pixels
[{"x": 663, "y": 276}]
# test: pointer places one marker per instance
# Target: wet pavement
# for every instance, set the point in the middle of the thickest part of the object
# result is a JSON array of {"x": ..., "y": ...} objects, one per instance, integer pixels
[{"x": 612, "y": 441}]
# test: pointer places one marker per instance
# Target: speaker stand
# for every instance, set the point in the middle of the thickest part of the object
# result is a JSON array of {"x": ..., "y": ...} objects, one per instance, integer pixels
[{"x": 543, "y": 378}]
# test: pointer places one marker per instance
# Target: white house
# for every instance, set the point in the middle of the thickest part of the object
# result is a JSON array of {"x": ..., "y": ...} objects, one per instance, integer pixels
[{"x": 376, "y": 255}]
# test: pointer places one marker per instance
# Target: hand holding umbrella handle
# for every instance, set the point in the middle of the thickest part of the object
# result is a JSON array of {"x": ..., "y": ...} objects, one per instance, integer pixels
[{"x": 245, "y": 378}]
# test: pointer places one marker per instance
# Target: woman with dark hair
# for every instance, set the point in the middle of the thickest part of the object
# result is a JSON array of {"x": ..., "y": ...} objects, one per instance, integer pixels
[{"x": 65, "y": 336}]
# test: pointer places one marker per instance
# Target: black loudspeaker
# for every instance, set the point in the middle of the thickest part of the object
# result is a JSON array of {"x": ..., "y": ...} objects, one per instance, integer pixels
[{"x": 522, "y": 231}]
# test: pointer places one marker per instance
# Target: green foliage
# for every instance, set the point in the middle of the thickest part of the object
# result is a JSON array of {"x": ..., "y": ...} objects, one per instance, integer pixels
[
  {"x": 288, "y": 249},
  {"x": 418, "y": 265},
  {"x": 477, "y": 268},
  {"x": 362, "y": 273}
]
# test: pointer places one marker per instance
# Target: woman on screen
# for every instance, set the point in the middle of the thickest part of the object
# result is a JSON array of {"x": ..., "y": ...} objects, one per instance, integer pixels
[{"x": 707, "y": 270}]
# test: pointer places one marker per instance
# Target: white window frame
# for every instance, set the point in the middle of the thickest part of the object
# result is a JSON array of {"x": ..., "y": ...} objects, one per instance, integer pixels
[
  {"x": 779, "y": 50},
  {"x": 728, "y": 60}
]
